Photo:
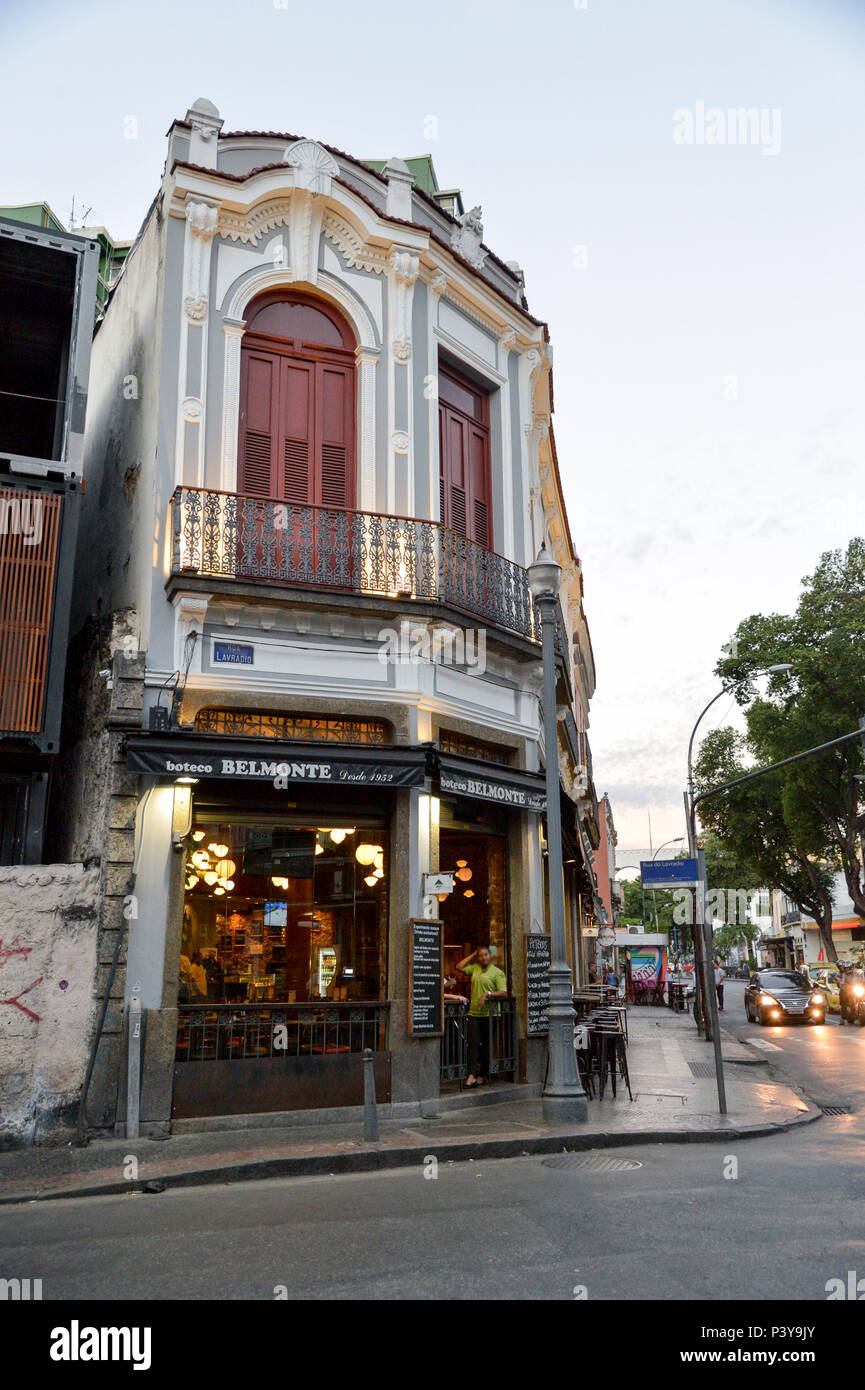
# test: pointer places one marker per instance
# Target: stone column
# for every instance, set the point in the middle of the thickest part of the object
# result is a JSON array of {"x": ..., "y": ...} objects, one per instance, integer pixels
[{"x": 415, "y": 1061}]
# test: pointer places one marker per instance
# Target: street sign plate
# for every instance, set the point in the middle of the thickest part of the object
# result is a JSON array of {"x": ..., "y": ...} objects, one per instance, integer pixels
[{"x": 669, "y": 873}]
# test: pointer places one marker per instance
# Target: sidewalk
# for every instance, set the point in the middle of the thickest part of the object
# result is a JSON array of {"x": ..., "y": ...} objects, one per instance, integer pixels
[{"x": 673, "y": 1103}]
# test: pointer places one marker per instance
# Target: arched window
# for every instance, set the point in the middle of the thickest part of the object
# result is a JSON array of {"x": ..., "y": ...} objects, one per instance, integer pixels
[{"x": 297, "y": 402}]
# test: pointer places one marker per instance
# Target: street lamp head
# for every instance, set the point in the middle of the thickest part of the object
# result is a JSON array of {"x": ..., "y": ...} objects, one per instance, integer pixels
[
  {"x": 545, "y": 576},
  {"x": 782, "y": 666}
]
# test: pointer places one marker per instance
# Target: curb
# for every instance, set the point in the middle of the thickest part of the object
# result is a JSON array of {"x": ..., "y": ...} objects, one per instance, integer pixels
[{"x": 380, "y": 1159}]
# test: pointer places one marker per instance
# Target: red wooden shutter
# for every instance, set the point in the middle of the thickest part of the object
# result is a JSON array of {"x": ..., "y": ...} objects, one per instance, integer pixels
[
  {"x": 336, "y": 431},
  {"x": 259, "y": 417},
  {"x": 478, "y": 486},
  {"x": 297, "y": 411},
  {"x": 297, "y": 416},
  {"x": 464, "y": 457}
]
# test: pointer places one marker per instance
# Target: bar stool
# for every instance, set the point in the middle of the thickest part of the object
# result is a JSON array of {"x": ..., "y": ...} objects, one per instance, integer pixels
[{"x": 611, "y": 1058}]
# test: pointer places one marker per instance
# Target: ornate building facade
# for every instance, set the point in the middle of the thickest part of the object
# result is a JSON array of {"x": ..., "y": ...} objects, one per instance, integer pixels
[{"x": 320, "y": 457}]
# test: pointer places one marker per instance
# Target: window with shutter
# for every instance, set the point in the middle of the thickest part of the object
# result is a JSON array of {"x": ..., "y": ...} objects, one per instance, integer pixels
[
  {"x": 297, "y": 414},
  {"x": 464, "y": 457},
  {"x": 259, "y": 419}
]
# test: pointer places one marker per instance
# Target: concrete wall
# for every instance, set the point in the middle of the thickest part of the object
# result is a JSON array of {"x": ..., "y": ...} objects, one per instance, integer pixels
[{"x": 47, "y": 967}]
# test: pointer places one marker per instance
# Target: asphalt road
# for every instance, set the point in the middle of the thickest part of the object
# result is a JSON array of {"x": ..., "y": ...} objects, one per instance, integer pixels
[
  {"x": 828, "y": 1061},
  {"x": 680, "y": 1226}
]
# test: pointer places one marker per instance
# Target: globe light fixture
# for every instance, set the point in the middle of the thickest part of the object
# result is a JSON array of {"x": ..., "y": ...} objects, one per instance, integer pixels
[
  {"x": 365, "y": 853},
  {"x": 545, "y": 576}
]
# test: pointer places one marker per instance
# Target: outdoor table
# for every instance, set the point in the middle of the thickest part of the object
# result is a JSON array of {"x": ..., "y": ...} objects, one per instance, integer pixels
[{"x": 676, "y": 995}]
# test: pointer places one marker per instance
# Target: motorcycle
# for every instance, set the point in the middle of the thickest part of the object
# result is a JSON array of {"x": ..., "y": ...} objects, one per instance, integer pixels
[{"x": 853, "y": 1004}]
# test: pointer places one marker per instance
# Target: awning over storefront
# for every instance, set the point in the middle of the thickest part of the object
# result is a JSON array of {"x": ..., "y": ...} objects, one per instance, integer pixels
[
  {"x": 507, "y": 786},
  {"x": 242, "y": 760}
]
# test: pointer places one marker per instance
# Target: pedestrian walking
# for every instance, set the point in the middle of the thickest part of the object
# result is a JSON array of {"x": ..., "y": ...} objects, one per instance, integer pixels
[{"x": 719, "y": 985}]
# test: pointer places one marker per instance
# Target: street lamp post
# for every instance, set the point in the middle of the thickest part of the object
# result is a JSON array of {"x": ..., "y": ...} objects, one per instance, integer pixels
[
  {"x": 703, "y": 941},
  {"x": 564, "y": 1099},
  {"x": 704, "y": 980}
]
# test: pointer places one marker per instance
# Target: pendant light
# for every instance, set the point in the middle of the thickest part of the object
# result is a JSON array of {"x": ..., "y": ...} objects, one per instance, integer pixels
[{"x": 366, "y": 853}]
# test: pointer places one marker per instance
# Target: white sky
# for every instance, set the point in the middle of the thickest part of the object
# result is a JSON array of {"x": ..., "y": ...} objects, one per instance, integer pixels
[{"x": 690, "y": 510}]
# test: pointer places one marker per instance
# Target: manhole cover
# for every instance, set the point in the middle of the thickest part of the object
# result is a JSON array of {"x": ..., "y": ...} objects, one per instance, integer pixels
[
  {"x": 703, "y": 1069},
  {"x": 836, "y": 1109},
  {"x": 597, "y": 1163}
]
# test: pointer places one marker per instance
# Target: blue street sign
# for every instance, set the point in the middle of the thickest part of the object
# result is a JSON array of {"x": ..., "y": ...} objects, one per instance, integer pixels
[
  {"x": 668, "y": 873},
  {"x": 233, "y": 654}
]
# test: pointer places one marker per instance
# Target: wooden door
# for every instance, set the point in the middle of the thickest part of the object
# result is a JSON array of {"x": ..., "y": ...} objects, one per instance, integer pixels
[{"x": 297, "y": 445}]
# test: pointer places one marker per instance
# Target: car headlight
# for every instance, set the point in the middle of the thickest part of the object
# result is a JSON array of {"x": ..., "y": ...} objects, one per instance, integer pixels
[
  {"x": 817, "y": 999},
  {"x": 767, "y": 999}
]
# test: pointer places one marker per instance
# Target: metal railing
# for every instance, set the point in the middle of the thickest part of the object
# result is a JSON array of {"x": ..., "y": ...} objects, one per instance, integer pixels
[
  {"x": 252, "y": 538},
  {"x": 503, "y": 1036},
  {"x": 454, "y": 1047},
  {"x": 502, "y": 1039},
  {"x": 232, "y": 1032}
]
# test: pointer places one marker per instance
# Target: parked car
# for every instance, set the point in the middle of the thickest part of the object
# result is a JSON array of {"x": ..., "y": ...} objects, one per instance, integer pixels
[
  {"x": 826, "y": 978},
  {"x": 783, "y": 996}
]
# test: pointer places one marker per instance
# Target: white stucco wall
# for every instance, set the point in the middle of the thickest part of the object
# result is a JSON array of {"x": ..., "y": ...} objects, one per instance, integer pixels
[{"x": 48, "y": 926}]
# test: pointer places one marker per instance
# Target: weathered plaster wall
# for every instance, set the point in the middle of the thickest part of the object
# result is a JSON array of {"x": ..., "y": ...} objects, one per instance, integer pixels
[{"x": 49, "y": 920}]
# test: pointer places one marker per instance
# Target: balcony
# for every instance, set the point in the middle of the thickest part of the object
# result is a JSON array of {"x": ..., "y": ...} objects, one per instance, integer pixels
[{"x": 252, "y": 539}]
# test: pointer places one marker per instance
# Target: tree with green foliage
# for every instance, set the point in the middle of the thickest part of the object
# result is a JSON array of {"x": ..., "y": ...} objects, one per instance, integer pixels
[
  {"x": 821, "y": 698},
  {"x": 751, "y": 822}
]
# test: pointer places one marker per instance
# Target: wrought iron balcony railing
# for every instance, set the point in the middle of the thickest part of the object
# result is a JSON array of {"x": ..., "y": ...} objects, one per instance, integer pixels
[{"x": 250, "y": 538}]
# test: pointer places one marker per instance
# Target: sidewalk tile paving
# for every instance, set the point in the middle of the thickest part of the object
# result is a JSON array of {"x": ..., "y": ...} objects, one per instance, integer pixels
[{"x": 671, "y": 1105}]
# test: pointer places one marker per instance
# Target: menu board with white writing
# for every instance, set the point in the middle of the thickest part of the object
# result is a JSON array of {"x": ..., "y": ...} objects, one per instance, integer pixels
[
  {"x": 425, "y": 989},
  {"x": 538, "y": 958}
]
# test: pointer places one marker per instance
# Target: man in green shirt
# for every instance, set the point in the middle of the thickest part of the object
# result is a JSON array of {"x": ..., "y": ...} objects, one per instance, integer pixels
[{"x": 488, "y": 982}]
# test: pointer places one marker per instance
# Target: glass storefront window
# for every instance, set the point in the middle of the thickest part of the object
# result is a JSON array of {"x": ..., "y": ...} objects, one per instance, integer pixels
[
  {"x": 284, "y": 915},
  {"x": 475, "y": 914}
]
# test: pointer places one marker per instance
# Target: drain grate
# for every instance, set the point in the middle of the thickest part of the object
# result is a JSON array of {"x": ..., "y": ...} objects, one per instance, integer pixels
[
  {"x": 837, "y": 1109},
  {"x": 702, "y": 1069},
  {"x": 596, "y": 1163}
]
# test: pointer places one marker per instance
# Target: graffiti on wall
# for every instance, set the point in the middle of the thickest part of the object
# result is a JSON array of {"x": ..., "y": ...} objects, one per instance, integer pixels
[{"x": 11, "y": 952}]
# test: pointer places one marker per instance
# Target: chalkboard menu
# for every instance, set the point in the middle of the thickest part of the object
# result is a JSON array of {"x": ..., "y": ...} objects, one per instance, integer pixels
[
  {"x": 538, "y": 959},
  {"x": 425, "y": 987}
]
